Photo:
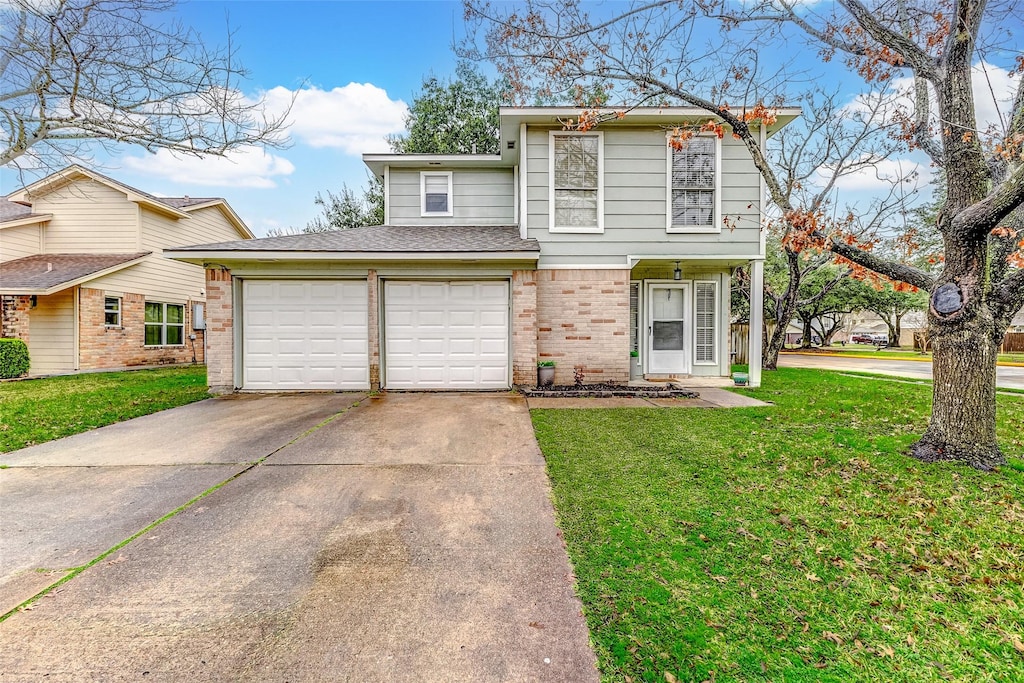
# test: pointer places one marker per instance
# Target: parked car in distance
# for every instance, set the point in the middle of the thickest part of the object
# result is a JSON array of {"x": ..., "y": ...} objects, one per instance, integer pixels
[{"x": 873, "y": 339}]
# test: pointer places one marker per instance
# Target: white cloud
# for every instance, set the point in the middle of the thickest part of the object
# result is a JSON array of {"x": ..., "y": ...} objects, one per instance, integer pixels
[
  {"x": 992, "y": 86},
  {"x": 248, "y": 167},
  {"x": 354, "y": 118}
]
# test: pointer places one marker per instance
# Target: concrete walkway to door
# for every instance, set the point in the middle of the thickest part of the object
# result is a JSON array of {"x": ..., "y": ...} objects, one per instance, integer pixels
[{"x": 409, "y": 537}]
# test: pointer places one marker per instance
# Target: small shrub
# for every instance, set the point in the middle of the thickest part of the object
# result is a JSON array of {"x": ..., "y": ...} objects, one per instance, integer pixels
[{"x": 13, "y": 358}]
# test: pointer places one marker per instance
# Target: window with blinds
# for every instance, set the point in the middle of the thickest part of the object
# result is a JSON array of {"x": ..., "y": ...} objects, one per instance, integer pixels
[
  {"x": 704, "y": 322},
  {"x": 693, "y": 184},
  {"x": 436, "y": 194},
  {"x": 576, "y": 191}
]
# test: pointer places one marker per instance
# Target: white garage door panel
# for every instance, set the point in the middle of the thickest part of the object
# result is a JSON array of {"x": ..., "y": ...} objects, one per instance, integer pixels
[
  {"x": 446, "y": 335},
  {"x": 304, "y": 335}
]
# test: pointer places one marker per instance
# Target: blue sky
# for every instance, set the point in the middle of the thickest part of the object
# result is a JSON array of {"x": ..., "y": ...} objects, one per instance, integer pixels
[{"x": 354, "y": 65}]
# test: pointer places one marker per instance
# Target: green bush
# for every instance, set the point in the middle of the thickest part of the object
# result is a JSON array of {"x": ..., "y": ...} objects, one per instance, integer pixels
[{"x": 13, "y": 358}]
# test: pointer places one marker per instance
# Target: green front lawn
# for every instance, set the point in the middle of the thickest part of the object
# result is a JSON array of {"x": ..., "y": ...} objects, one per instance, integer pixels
[
  {"x": 37, "y": 410},
  {"x": 791, "y": 543}
]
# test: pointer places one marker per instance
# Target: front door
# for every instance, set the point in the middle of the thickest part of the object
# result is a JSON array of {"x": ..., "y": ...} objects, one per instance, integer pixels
[{"x": 668, "y": 352}]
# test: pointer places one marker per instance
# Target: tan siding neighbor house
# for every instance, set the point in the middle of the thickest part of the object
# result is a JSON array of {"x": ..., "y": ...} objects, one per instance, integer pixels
[{"x": 83, "y": 279}]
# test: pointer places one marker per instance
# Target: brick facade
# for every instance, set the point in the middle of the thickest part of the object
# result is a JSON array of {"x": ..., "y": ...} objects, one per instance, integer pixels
[
  {"x": 524, "y": 327},
  {"x": 583, "y": 320},
  {"x": 101, "y": 347},
  {"x": 220, "y": 360},
  {"x": 14, "y": 321}
]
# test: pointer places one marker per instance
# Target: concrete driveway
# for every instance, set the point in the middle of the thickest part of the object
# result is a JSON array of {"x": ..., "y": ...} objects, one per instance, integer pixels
[{"x": 400, "y": 537}]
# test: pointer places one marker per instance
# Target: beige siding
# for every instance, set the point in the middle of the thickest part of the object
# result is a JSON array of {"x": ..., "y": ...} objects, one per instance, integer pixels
[
  {"x": 52, "y": 333},
  {"x": 19, "y": 242},
  {"x": 162, "y": 279},
  {"x": 480, "y": 197},
  {"x": 203, "y": 227},
  {"x": 89, "y": 217},
  {"x": 635, "y": 192}
]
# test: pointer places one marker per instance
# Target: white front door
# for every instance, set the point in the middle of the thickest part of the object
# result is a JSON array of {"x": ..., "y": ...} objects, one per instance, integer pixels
[{"x": 667, "y": 328}]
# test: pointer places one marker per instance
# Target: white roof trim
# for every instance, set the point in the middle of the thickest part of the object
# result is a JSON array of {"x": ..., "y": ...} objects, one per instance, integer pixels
[
  {"x": 26, "y": 220},
  {"x": 284, "y": 256}
]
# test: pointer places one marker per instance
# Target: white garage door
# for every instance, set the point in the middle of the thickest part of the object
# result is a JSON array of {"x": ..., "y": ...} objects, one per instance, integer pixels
[
  {"x": 304, "y": 335},
  {"x": 446, "y": 335}
]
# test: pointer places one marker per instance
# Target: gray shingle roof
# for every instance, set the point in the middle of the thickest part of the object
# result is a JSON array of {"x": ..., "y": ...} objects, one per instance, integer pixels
[
  {"x": 13, "y": 211},
  {"x": 388, "y": 238},
  {"x": 45, "y": 271}
]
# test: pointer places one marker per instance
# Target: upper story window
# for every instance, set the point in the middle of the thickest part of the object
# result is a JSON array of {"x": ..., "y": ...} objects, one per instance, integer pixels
[
  {"x": 112, "y": 311},
  {"x": 693, "y": 193},
  {"x": 436, "y": 193},
  {"x": 577, "y": 182}
]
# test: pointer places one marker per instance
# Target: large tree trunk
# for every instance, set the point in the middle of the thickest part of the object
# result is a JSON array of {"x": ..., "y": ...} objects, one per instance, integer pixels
[
  {"x": 897, "y": 332},
  {"x": 965, "y": 343},
  {"x": 963, "y": 421},
  {"x": 785, "y": 309},
  {"x": 808, "y": 335}
]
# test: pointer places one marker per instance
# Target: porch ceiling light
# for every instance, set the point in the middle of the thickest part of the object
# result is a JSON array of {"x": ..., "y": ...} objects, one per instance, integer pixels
[{"x": 677, "y": 274}]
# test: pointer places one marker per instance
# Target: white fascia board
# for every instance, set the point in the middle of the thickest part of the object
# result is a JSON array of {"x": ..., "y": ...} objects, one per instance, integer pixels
[
  {"x": 28, "y": 220},
  {"x": 223, "y": 256},
  {"x": 634, "y": 259}
]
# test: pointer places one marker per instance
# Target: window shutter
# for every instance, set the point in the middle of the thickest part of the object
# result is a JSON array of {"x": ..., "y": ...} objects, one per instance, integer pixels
[{"x": 705, "y": 322}]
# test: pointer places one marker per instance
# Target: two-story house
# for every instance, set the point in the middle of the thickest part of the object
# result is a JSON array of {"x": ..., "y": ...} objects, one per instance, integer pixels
[
  {"x": 83, "y": 280},
  {"x": 608, "y": 252}
]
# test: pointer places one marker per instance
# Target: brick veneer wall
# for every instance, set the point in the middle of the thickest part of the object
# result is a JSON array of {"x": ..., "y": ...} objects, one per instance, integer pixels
[
  {"x": 524, "y": 327},
  {"x": 583, "y": 319},
  {"x": 101, "y": 347},
  {"x": 14, "y": 321},
  {"x": 220, "y": 358}
]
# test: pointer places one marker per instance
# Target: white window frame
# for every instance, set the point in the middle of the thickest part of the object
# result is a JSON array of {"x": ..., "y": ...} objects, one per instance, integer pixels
[
  {"x": 163, "y": 324},
  {"x": 423, "y": 194},
  {"x": 118, "y": 310},
  {"x": 716, "y": 219},
  {"x": 599, "y": 228},
  {"x": 716, "y": 313}
]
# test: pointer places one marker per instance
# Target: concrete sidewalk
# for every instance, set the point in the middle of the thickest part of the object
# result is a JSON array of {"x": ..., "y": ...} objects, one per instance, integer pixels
[{"x": 410, "y": 537}]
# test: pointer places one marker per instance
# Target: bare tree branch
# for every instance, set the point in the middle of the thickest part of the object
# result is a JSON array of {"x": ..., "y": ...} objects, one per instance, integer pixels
[{"x": 78, "y": 72}]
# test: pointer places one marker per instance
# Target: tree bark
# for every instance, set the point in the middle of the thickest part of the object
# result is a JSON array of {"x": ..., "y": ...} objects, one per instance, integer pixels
[
  {"x": 808, "y": 335},
  {"x": 965, "y": 343},
  {"x": 894, "y": 339},
  {"x": 963, "y": 421}
]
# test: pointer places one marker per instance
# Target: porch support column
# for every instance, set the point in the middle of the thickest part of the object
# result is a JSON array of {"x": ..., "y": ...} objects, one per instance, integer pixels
[{"x": 756, "y": 322}]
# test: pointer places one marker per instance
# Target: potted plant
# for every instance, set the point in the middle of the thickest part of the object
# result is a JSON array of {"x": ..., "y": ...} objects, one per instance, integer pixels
[{"x": 545, "y": 373}]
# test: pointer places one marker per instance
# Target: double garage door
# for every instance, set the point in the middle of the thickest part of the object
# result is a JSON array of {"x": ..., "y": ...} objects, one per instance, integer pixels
[{"x": 315, "y": 335}]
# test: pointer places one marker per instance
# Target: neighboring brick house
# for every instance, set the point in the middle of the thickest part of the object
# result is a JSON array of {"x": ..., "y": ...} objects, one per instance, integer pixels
[
  {"x": 608, "y": 252},
  {"x": 83, "y": 279}
]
